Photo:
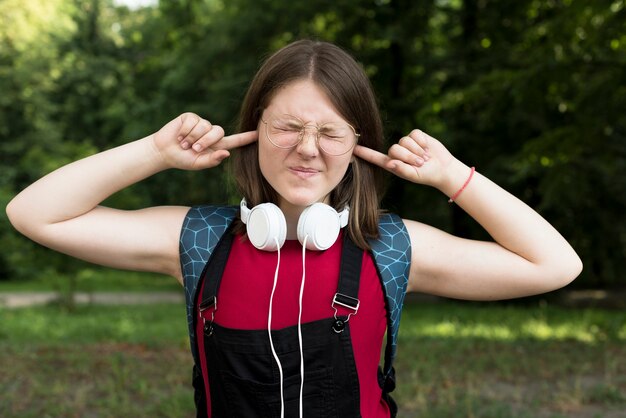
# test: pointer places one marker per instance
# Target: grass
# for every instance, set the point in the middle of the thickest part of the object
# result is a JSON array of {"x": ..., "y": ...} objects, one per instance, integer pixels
[
  {"x": 93, "y": 279},
  {"x": 455, "y": 360},
  {"x": 480, "y": 360},
  {"x": 97, "y": 361}
]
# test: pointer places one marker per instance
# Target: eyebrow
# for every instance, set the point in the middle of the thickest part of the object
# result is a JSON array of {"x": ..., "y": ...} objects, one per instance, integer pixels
[{"x": 311, "y": 122}]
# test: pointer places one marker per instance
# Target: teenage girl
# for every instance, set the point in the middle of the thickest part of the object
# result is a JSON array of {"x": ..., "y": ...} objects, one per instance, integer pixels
[{"x": 310, "y": 131}]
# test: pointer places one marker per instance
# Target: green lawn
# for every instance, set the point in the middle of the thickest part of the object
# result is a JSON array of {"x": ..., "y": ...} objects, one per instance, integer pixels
[
  {"x": 455, "y": 360},
  {"x": 93, "y": 279},
  {"x": 481, "y": 360}
]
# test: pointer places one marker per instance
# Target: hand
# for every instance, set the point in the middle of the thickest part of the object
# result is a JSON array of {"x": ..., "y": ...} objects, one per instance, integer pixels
[
  {"x": 192, "y": 143},
  {"x": 418, "y": 157}
]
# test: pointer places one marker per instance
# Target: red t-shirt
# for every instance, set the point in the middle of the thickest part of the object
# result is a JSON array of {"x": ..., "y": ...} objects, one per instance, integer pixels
[{"x": 246, "y": 287}]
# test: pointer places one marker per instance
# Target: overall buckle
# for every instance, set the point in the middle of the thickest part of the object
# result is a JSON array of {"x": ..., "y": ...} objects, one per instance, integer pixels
[
  {"x": 347, "y": 302},
  {"x": 207, "y": 304}
]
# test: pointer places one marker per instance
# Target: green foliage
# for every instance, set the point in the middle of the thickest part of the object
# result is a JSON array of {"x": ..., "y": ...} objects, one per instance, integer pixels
[{"x": 531, "y": 93}]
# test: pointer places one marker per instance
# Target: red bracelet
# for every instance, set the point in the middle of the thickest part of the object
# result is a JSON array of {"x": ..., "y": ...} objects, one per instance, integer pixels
[{"x": 454, "y": 196}]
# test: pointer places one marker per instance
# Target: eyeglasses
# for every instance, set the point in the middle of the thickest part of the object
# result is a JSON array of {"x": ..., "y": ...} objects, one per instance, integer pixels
[{"x": 334, "y": 138}]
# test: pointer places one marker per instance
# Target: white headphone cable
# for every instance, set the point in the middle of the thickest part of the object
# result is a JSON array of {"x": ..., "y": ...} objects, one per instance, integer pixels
[
  {"x": 300, "y": 323},
  {"x": 269, "y": 331}
]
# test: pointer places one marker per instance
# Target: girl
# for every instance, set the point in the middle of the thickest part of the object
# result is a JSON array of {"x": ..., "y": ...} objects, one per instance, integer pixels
[{"x": 310, "y": 133}]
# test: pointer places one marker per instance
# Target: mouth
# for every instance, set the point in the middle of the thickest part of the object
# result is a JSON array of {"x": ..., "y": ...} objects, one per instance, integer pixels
[{"x": 303, "y": 172}]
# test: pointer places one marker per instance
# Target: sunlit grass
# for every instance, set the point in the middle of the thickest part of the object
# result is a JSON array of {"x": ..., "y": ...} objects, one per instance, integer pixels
[
  {"x": 511, "y": 323},
  {"x": 535, "y": 329}
]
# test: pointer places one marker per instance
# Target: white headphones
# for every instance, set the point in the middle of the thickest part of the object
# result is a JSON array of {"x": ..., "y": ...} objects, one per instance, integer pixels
[{"x": 266, "y": 224}]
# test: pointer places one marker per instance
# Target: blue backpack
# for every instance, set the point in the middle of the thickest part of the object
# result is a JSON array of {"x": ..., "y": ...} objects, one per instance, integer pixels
[{"x": 204, "y": 226}]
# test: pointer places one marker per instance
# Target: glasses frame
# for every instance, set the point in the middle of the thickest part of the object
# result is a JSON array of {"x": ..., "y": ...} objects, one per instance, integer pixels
[{"x": 303, "y": 132}]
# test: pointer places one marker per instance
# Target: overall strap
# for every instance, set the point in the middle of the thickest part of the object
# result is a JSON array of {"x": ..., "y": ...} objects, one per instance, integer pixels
[
  {"x": 392, "y": 254},
  {"x": 202, "y": 229},
  {"x": 347, "y": 294},
  {"x": 212, "y": 277}
]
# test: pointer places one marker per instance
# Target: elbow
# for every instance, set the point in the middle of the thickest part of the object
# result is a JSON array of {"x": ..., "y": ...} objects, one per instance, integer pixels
[
  {"x": 576, "y": 268},
  {"x": 567, "y": 271},
  {"x": 12, "y": 214},
  {"x": 16, "y": 216}
]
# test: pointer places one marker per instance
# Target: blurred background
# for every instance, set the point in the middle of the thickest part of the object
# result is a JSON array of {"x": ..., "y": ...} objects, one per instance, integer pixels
[{"x": 532, "y": 93}]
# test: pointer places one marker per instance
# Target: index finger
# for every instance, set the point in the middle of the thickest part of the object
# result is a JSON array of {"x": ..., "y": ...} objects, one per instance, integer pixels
[
  {"x": 237, "y": 140},
  {"x": 372, "y": 156}
]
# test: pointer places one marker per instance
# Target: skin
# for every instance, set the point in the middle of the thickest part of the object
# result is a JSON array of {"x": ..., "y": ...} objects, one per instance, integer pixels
[{"x": 527, "y": 255}]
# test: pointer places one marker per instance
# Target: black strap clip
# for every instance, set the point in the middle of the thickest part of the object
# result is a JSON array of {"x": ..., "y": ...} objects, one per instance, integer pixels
[{"x": 210, "y": 303}]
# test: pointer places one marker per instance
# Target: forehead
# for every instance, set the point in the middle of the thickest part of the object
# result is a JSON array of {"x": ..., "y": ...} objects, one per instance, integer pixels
[{"x": 305, "y": 100}]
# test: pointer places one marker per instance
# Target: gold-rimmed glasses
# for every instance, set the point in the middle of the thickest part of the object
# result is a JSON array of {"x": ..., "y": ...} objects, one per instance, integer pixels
[{"x": 333, "y": 138}]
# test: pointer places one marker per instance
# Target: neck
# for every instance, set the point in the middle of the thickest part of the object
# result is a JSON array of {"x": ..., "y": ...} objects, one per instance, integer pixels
[{"x": 292, "y": 214}]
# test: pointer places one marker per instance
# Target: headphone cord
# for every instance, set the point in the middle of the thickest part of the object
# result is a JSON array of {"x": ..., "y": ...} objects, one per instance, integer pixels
[
  {"x": 300, "y": 323},
  {"x": 269, "y": 331}
]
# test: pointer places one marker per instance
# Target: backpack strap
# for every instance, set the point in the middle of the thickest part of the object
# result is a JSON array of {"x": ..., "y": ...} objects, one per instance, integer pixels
[
  {"x": 392, "y": 254},
  {"x": 202, "y": 229}
]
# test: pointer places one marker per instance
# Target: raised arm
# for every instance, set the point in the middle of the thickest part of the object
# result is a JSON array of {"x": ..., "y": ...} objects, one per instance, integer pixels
[
  {"x": 528, "y": 256},
  {"x": 61, "y": 209}
]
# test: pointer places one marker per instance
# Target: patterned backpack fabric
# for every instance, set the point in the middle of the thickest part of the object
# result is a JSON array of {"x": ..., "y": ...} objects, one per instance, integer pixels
[{"x": 204, "y": 226}]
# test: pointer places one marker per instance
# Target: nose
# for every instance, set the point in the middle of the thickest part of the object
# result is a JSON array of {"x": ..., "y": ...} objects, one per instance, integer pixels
[{"x": 308, "y": 144}]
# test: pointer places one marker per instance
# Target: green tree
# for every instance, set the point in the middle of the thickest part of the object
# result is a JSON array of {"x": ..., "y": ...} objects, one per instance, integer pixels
[
  {"x": 531, "y": 93},
  {"x": 535, "y": 103},
  {"x": 29, "y": 142}
]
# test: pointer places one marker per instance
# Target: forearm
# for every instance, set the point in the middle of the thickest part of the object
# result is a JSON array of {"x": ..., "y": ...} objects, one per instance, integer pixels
[
  {"x": 509, "y": 221},
  {"x": 77, "y": 188}
]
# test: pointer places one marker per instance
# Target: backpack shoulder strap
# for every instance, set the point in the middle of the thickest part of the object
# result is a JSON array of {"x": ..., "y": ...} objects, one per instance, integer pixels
[
  {"x": 392, "y": 254},
  {"x": 202, "y": 229}
]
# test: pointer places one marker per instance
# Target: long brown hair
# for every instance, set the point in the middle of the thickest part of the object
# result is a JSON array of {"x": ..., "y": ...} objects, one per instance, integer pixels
[{"x": 349, "y": 90}]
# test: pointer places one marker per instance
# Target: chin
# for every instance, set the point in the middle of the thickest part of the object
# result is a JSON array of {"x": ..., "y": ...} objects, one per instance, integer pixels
[{"x": 304, "y": 199}]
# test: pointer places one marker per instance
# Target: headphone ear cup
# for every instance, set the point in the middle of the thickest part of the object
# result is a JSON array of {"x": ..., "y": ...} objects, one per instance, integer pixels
[
  {"x": 266, "y": 224},
  {"x": 319, "y": 223}
]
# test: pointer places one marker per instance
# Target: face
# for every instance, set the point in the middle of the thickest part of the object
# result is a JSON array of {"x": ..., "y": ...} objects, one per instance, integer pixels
[{"x": 304, "y": 174}]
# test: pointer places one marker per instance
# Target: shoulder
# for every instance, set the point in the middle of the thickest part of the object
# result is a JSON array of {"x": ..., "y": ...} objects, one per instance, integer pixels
[
  {"x": 390, "y": 225},
  {"x": 202, "y": 224},
  {"x": 211, "y": 215},
  {"x": 392, "y": 249},
  {"x": 393, "y": 234},
  {"x": 202, "y": 228}
]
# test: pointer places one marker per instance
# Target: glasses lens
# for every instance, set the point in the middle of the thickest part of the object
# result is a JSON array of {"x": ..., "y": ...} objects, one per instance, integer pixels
[
  {"x": 336, "y": 138},
  {"x": 284, "y": 132}
]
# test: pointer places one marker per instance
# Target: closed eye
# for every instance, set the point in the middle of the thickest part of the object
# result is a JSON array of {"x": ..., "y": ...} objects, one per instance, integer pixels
[
  {"x": 287, "y": 125},
  {"x": 333, "y": 133}
]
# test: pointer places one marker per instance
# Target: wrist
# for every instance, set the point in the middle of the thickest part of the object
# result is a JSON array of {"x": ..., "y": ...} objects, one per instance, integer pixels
[
  {"x": 153, "y": 156},
  {"x": 454, "y": 178}
]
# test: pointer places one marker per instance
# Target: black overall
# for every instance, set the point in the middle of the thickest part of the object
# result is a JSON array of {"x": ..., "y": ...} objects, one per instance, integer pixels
[{"x": 243, "y": 376}]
